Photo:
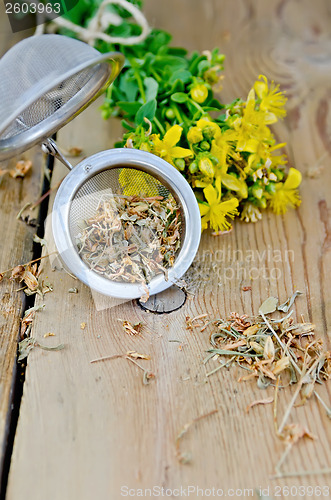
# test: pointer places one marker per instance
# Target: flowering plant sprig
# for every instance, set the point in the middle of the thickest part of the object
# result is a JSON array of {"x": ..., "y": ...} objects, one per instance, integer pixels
[
  {"x": 167, "y": 104},
  {"x": 230, "y": 161}
]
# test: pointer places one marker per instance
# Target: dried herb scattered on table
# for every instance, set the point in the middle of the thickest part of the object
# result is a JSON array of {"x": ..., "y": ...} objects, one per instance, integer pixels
[
  {"x": 131, "y": 239},
  {"x": 276, "y": 352}
]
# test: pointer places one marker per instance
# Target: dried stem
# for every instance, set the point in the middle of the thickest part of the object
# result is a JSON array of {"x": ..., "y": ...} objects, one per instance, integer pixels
[
  {"x": 313, "y": 472},
  {"x": 28, "y": 263},
  {"x": 114, "y": 356},
  {"x": 182, "y": 457}
]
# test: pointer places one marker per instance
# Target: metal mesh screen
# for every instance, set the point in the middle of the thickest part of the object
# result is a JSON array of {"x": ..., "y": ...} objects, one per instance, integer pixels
[
  {"x": 40, "y": 75},
  {"x": 48, "y": 104}
]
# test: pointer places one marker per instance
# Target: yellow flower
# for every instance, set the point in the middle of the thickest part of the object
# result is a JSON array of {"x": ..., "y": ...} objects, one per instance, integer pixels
[
  {"x": 251, "y": 127},
  {"x": 272, "y": 100},
  {"x": 210, "y": 127},
  {"x": 194, "y": 135},
  {"x": 286, "y": 193},
  {"x": 222, "y": 147},
  {"x": 215, "y": 211},
  {"x": 166, "y": 148},
  {"x": 263, "y": 153}
]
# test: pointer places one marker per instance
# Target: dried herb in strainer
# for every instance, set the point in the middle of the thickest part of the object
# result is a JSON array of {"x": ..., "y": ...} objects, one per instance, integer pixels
[{"x": 131, "y": 239}]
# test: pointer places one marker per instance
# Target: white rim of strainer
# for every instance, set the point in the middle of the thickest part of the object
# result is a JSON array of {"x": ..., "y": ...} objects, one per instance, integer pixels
[
  {"x": 25, "y": 140},
  {"x": 153, "y": 165}
]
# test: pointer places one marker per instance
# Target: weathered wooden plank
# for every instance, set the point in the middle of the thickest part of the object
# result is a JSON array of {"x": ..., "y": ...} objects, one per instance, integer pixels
[
  {"x": 91, "y": 429},
  {"x": 15, "y": 248}
]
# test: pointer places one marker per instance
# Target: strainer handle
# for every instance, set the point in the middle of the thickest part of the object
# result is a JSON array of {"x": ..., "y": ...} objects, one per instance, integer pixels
[{"x": 50, "y": 147}]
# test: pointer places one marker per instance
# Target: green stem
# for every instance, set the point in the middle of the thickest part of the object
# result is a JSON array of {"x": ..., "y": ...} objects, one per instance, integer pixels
[
  {"x": 181, "y": 119},
  {"x": 161, "y": 128},
  {"x": 156, "y": 76},
  {"x": 195, "y": 104},
  {"x": 140, "y": 84}
]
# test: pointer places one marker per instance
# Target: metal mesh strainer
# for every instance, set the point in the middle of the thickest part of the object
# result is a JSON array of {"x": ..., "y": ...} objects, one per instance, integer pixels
[
  {"x": 45, "y": 82},
  {"x": 100, "y": 177},
  {"x": 56, "y": 78}
]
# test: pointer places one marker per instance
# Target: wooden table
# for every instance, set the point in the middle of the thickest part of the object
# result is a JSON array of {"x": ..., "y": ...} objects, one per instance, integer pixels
[{"x": 87, "y": 430}]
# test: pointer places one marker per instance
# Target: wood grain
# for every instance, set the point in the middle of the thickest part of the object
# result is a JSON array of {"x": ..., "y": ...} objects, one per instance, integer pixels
[
  {"x": 16, "y": 244},
  {"x": 86, "y": 430}
]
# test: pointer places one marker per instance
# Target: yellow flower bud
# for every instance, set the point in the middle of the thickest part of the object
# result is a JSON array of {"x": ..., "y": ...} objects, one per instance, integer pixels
[
  {"x": 206, "y": 167},
  {"x": 199, "y": 93},
  {"x": 194, "y": 135}
]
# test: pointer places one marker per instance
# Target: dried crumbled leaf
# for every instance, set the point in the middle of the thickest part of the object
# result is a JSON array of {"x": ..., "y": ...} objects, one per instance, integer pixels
[
  {"x": 281, "y": 365},
  {"x": 75, "y": 151},
  {"x": 137, "y": 355},
  {"x": 303, "y": 328},
  {"x": 22, "y": 167},
  {"x": 58, "y": 347},
  {"x": 251, "y": 330},
  {"x": 42, "y": 241},
  {"x": 269, "y": 349},
  {"x": 307, "y": 391},
  {"x": 294, "y": 432},
  {"x": 268, "y": 306},
  {"x": 33, "y": 309},
  {"x": 132, "y": 329},
  {"x": 257, "y": 347},
  {"x": 30, "y": 280},
  {"x": 17, "y": 273},
  {"x": 25, "y": 347},
  {"x": 147, "y": 377}
]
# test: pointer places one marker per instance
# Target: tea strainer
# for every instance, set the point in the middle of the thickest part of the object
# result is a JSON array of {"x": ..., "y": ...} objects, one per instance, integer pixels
[{"x": 56, "y": 78}]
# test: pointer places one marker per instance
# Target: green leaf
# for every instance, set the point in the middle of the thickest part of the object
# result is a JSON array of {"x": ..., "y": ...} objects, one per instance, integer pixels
[
  {"x": 203, "y": 65},
  {"x": 215, "y": 103},
  {"x": 209, "y": 108},
  {"x": 151, "y": 87},
  {"x": 129, "y": 86},
  {"x": 182, "y": 74},
  {"x": 127, "y": 125},
  {"x": 147, "y": 110},
  {"x": 177, "y": 51},
  {"x": 179, "y": 97},
  {"x": 159, "y": 39},
  {"x": 173, "y": 62},
  {"x": 129, "y": 107}
]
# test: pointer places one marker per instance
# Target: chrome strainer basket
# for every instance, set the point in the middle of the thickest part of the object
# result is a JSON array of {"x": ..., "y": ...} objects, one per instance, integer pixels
[
  {"x": 45, "y": 82},
  {"x": 99, "y": 177},
  {"x": 56, "y": 78}
]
